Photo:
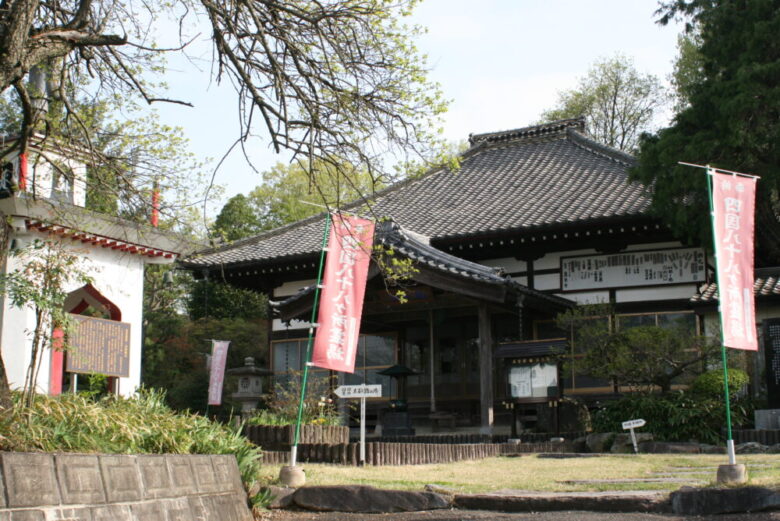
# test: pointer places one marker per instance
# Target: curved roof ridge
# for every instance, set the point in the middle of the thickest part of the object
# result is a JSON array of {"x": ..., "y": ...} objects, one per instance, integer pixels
[
  {"x": 545, "y": 129},
  {"x": 589, "y": 144}
]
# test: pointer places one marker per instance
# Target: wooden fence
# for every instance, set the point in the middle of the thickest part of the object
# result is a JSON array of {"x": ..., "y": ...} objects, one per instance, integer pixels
[
  {"x": 280, "y": 437},
  {"x": 534, "y": 437},
  {"x": 765, "y": 437},
  {"x": 380, "y": 453}
]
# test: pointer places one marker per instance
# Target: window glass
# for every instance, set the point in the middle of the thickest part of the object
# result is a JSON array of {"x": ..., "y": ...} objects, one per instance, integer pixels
[
  {"x": 682, "y": 321},
  {"x": 379, "y": 350},
  {"x": 629, "y": 321},
  {"x": 548, "y": 329},
  {"x": 533, "y": 380}
]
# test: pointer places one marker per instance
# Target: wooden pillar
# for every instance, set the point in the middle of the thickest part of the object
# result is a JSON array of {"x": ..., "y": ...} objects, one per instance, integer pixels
[
  {"x": 431, "y": 342},
  {"x": 485, "y": 369}
]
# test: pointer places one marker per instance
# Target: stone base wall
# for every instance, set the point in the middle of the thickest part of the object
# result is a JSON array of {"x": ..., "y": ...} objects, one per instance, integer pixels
[{"x": 93, "y": 487}]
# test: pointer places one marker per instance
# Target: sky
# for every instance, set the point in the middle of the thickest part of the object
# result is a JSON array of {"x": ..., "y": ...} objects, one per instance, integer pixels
[{"x": 499, "y": 62}]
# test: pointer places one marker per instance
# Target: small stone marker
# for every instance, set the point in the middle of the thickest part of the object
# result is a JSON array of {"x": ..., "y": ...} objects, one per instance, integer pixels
[{"x": 630, "y": 425}]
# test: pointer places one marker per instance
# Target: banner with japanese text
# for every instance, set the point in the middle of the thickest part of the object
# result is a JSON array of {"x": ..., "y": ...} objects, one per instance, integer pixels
[
  {"x": 219, "y": 350},
  {"x": 344, "y": 286},
  {"x": 733, "y": 199}
]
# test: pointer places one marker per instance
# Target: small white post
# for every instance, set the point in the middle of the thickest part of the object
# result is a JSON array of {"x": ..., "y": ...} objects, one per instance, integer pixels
[
  {"x": 362, "y": 430},
  {"x": 731, "y": 452},
  {"x": 633, "y": 440}
]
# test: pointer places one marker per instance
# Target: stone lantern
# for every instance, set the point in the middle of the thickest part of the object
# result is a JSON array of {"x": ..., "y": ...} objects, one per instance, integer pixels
[{"x": 250, "y": 385}]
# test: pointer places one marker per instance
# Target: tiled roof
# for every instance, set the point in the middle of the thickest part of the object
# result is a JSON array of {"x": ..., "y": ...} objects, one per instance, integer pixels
[
  {"x": 411, "y": 246},
  {"x": 767, "y": 284},
  {"x": 517, "y": 180}
]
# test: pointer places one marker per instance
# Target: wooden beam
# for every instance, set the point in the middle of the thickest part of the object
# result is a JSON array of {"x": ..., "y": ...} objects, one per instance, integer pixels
[{"x": 485, "y": 369}]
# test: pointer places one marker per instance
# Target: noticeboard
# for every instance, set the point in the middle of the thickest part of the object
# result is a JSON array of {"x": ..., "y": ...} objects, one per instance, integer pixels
[
  {"x": 99, "y": 346},
  {"x": 633, "y": 269},
  {"x": 772, "y": 354}
]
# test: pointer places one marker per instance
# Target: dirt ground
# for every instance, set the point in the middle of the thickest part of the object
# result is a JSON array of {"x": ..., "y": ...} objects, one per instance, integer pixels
[{"x": 471, "y": 515}]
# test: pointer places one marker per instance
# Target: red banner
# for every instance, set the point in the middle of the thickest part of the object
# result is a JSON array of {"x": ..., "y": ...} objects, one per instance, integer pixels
[
  {"x": 219, "y": 350},
  {"x": 734, "y": 201},
  {"x": 341, "y": 305}
]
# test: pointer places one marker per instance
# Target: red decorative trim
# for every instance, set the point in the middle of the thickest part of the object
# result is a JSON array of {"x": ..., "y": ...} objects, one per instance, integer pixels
[
  {"x": 22, "y": 172},
  {"x": 57, "y": 362},
  {"x": 113, "y": 310}
]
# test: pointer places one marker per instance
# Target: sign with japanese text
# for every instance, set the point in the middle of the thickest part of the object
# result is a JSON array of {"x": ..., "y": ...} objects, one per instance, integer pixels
[
  {"x": 359, "y": 391},
  {"x": 219, "y": 350},
  {"x": 733, "y": 199},
  {"x": 632, "y": 268},
  {"x": 99, "y": 346},
  {"x": 341, "y": 305},
  {"x": 633, "y": 424}
]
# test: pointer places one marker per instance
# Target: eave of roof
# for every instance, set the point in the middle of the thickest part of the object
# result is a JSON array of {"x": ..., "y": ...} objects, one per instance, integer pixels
[
  {"x": 544, "y": 177},
  {"x": 766, "y": 285}
]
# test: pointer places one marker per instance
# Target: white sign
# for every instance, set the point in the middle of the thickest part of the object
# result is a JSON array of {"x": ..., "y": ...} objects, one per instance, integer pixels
[
  {"x": 359, "y": 391},
  {"x": 633, "y": 424},
  {"x": 634, "y": 268}
]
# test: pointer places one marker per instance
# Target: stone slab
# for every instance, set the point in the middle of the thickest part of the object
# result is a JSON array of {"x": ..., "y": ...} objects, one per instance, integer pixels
[
  {"x": 28, "y": 515},
  {"x": 177, "y": 509},
  {"x": 30, "y": 479},
  {"x": 71, "y": 514},
  {"x": 360, "y": 498},
  {"x": 121, "y": 478},
  {"x": 203, "y": 471},
  {"x": 111, "y": 513},
  {"x": 227, "y": 474},
  {"x": 708, "y": 501},
  {"x": 147, "y": 511},
  {"x": 155, "y": 476},
  {"x": 182, "y": 477},
  {"x": 592, "y": 502},
  {"x": 80, "y": 479}
]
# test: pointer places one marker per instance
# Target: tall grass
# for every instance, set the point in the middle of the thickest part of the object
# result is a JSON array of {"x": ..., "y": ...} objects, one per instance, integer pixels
[{"x": 139, "y": 425}]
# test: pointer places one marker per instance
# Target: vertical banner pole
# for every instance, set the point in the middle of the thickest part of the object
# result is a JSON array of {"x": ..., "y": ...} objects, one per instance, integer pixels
[
  {"x": 362, "y": 430},
  {"x": 729, "y": 439},
  {"x": 307, "y": 358}
]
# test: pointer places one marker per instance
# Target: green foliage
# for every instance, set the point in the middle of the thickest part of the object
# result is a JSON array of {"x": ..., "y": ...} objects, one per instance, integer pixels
[
  {"x": 732, "y": 120},
  {"x": 639, "y": 357},
  {"x": 176, "y": 350},
  {"x": 111, "y": 425},
  {"x": 238, "y": 219},
  {"x": 221, "y": 300},
  {"x": 677, "y": 416},
  {"x": 688, "y": 71},
  {"x": 617, "y": 101},
  {"x": 282, "y": 406},
  {"x": 710, "y": 384}
]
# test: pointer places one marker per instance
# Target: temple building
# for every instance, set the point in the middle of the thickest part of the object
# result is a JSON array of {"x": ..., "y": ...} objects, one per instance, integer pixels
[{"x": 537, "y": 220}]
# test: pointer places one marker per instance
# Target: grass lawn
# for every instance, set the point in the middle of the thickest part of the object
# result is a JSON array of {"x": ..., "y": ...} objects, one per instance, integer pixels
[{"x": 541, "y": 474}]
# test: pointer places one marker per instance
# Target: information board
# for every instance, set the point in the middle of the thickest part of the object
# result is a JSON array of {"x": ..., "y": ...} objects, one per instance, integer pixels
[
  {"x": 99, "y": 346},
  {"x": 634, "y": 268},
  {"x": 772, "y": 354}
]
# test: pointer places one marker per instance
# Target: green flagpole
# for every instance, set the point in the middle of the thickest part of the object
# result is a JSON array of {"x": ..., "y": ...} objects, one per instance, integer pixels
[
  {"x": 729, "y": 439},
  {"x": 307, "y": 358}
]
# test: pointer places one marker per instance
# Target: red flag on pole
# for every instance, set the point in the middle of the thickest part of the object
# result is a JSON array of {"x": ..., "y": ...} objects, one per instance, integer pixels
[
  {"x": 346, "y": 272},
  {"x": 219, "y": 350},
  {"x": 734, "y": 201}
]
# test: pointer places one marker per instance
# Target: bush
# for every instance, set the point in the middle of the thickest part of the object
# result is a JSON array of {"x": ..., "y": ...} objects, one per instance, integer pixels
[
  {"x": 710, "y": 384},
  {"x": 111, "y": 425},
  {"x": 318, "y": 407},
  {"x": 676, "y": 416}
]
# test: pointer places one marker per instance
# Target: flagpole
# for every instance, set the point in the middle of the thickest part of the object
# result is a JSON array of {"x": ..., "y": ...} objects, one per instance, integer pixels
[
  {"x": 307, "y": 358},
  {"x": 729, "y": 439}
]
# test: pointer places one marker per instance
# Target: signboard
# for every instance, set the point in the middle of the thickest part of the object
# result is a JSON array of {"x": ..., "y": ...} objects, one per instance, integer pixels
[
  {"x": 219, "y": 350},
  {"x": 341, "y": 306},
  {"x": 633, "y": 424},
  {"x": 733, "y": 201},
  {"x": 533, "y": 380},
  {"x": 772, "y": 367},
  {"x": 99, "y": 346},
  {"x": 359, "y": 391},
  {"x": 633, "y": 268}
]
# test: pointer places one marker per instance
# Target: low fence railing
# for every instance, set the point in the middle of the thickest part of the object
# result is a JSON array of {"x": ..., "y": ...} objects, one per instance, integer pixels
[
  {"x": 382, "y": 453},
  {"x": 765, "y": 437}
]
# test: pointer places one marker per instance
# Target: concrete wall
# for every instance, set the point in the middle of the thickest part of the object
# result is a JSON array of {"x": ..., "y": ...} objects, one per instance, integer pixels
[{"x": 91, "y": 487}]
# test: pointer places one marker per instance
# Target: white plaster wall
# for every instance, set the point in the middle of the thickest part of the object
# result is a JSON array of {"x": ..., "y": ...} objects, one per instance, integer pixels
[
  {"x": 552, "y": 261},
  {"x": 278, "y": 325},
  {"x": 116, "y": 275},
  {"x": 510, "y": 264},
  {"x": 655, "y": 293},
  {"x": 587, "y": 297},
  {"x": 41, "y": 172}
]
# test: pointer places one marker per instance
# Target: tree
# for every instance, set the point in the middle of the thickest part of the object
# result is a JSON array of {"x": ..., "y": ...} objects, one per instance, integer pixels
[
  {"x": 732, "y": 121},
  {"x": 337, "y": 81},
  {"x": 688, "y": 72},
  {"x": 617, "y": 101},
  {"x": 641, "y": 357},
  {"x": 288, "y": 195}
]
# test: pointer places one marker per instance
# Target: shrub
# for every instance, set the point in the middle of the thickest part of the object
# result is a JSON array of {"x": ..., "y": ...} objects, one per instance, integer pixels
[
  {"x": 710, "y": 384},
  {"x": 318, "y": 407},
  {"x": 676, "y": 416},
  {"x": 143, "y": 424}
]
